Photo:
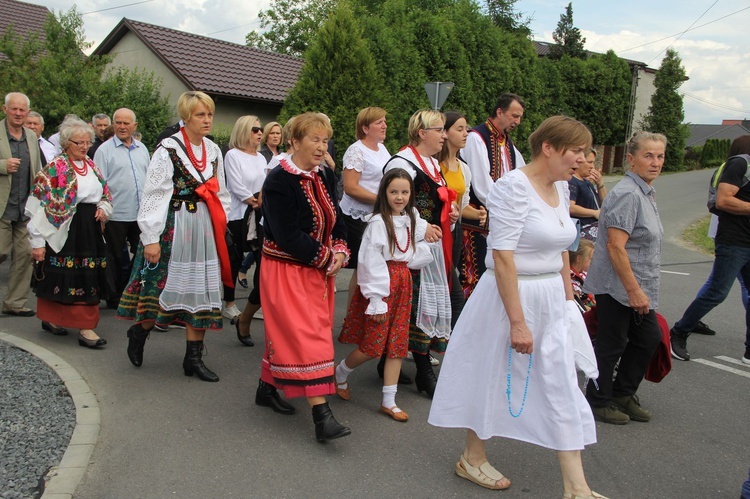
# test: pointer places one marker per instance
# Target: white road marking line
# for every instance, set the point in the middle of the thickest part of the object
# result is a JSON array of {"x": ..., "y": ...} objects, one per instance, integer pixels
[
  {"x": 673, "y": 272},
  {"x": 722, "y": 367},
  {"x": 732, "y": 361}
]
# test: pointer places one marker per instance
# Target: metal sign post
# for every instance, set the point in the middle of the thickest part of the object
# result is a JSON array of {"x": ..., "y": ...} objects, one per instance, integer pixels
[{"x": 437, "y": 92}]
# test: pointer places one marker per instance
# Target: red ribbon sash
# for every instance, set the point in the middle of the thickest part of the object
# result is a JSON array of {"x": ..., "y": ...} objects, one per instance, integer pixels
[
  {"x": 208, "y": 191},
  {"x": 447, "y": 196}
]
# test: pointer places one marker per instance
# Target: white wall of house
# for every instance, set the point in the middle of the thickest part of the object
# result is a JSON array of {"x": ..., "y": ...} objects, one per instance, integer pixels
[
  {"x": 644, "y": 91},
  {"x": 132, "y": 53}
]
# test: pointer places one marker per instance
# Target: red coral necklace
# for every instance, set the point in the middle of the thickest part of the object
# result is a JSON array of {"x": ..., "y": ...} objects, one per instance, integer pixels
[
  {"x": 80, "y": 170},
  {"x": 199, "y": 165},
  {"x": 408, "y": 240},
  {"x": 433, "y": 173}
]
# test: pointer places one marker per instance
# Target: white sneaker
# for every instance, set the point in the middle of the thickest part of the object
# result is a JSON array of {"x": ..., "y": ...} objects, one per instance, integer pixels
[
  {"x": 231, "y": 312},
  {"x": 745, "y": 360},
  {"x": 434, "y": 361},
  {"x": 258, "y": 314}
]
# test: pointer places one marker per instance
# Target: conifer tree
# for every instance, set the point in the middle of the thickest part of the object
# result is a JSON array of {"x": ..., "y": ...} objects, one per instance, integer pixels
[
  {"x": 567, "y": 37},
  {"x": 666, "y": 112}
]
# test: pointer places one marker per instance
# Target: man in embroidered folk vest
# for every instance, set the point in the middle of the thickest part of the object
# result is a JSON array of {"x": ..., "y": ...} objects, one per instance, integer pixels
[
  {"x": 19, "y": 164},
  {"x": 489, "y": 153}
]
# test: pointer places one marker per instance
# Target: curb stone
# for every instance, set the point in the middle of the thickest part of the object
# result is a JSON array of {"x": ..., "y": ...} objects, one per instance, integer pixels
[{"x": 63, "y": 479}]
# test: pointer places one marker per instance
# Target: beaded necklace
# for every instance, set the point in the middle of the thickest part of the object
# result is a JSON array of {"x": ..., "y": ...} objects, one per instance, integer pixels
[
  {"x": 434, "y": 173},
  {"x": 408, "y": 240},
  {"x": 199, "y": 165},
  {"x": 525, "y": 388},
  {"x": 82, "y": 170}
]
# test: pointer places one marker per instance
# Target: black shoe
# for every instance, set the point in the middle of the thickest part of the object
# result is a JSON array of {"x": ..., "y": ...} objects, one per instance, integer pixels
[
  {"x": 425, "y": 379},
  {"x": 193, "y": 363},
  {"x": 326, "y": 426},
  {"x": 702, "y": 328},
  {"x": 267, "y": 396},
  {"x": 137, "y": 337},
  {"x": 678, "y": 344},
  {"x": 56, "y": 330},
  {"x": 245, "y": 340},
  {"x": 85, "y": 342},
  {"x": 20, "y": 312},
  {"x": 403, "y": 378}
]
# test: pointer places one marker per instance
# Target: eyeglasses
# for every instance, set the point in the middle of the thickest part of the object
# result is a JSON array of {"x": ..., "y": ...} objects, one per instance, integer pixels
[
  {"x": 438, "y": 128},
  {"x": 257, "y": 129},
  {"x": 85, "y": 143}
]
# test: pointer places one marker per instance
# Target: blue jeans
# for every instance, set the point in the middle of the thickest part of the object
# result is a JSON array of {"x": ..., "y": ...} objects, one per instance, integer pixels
[
  {"x": 746, "y": 489},
  {"x": 730, "y": 261},
  {"x": 743, "y": 288}
]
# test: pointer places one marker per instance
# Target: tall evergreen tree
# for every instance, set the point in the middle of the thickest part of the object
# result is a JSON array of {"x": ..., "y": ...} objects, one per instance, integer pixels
[
  {"x": 339, "y": 76},
  {"x": 666, "y": 113},
  {"x": 567, "y": 37},
  {"x": 503, "y": 13}
]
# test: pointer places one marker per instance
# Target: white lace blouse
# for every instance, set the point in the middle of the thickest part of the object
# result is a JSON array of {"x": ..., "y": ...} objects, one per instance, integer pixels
[
  {"x": 152, "y": 216},
  {"x": 372, "y": 270},
  {"x": 245, "y": 175},
  {"x": 370, "y": 164}
]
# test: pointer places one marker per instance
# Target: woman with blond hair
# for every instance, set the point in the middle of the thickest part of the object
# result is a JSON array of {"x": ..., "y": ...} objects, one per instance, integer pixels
[
  {"x": 182, "y": 258},
  {"x": 436, "y": 204},
  {"x": 510, "y": 369},
  {"x": 270, "y": 142},
  {"x": 245, "y": 169}
]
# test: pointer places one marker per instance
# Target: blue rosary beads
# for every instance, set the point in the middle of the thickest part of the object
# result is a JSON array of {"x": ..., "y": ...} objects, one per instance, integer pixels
[{"x": 525, "y": 388}]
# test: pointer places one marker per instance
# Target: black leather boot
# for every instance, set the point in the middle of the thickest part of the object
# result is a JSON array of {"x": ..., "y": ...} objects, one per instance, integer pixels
[
  {"x": 403, "y": 379},
  {"x": 267, "y": 396},
  {"x": 425, "y": 379},
  {"x": 326, "y": 426},
  {"x": 137, "y": 337},
  {"x": 193, "y": 363}
]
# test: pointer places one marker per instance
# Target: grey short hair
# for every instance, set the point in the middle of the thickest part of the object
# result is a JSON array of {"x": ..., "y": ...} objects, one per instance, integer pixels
[
  {"x": 638, "y": 138},
  {"x": 100, "y": 116},
  {"x": 72, "y": 127},
  {"x": 135, "y": 120},
  {"x": 34, "y": 114},
  {"x": 10, "y": 95}
]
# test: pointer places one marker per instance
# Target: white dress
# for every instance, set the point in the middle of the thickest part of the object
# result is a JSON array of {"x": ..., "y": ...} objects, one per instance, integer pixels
[{"x": 471, "y": 389}]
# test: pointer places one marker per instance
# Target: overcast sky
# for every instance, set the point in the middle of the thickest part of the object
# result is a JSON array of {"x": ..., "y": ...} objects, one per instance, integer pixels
[{"x": 710, "y": 35}]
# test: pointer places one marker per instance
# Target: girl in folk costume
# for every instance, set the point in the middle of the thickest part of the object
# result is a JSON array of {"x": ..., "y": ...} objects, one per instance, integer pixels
[
  {"x": 378, "y": 316},
  {"x": 182, "y": 259},
  {"x": 436, "y": 205}
]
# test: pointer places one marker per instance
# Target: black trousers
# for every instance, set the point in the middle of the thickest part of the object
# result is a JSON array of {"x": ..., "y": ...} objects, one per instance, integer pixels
[
  {"x": 628, "y": 337},
  {"x": 122, "y": 240}
]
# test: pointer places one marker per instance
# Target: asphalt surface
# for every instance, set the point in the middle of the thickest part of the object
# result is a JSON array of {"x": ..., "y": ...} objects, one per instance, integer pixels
[{"x": 166, "y": 435}]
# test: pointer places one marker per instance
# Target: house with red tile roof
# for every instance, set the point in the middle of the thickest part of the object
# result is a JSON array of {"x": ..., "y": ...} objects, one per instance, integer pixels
[
  {"x": 242, "y": 80},
  {"x": 23, "y": 17}
]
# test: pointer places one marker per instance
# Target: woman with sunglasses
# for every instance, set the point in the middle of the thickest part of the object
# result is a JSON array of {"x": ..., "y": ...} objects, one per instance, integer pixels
[{"x": 245, "y": 170}]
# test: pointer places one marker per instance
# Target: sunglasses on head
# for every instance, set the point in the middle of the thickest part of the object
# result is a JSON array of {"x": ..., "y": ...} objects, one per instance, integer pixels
[{"x": 257, "y": 129}]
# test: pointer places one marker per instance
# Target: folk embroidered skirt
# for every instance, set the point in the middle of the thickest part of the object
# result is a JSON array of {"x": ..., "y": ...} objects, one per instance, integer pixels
[
  {"x": 390, "y": 337},
  {"x": 185, "y": 286},
  {"x": 472, "y": 386},
  {"x": 298, "y": 306},
  {"x": 70, "y": 284},
  {"x": 471, "y": 263}
]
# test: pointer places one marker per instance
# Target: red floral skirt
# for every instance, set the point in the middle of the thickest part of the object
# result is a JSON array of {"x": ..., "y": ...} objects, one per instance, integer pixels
[{"x": 391, "y": 336}]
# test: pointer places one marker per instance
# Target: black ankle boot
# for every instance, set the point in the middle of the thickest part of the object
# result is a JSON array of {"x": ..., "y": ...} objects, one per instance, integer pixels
[
  {"x": 193, "y": 363},
  {"x": 137, "y": 337},
  {"x": 425, "y": 379},
  {"x": 403, "y": 379},
  {"x": 326, "y": 426},
  {"x": 267, "y": 396}
]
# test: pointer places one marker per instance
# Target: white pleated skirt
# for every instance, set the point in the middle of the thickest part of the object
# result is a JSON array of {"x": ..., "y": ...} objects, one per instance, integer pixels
[{"x": 472, "y": 386}]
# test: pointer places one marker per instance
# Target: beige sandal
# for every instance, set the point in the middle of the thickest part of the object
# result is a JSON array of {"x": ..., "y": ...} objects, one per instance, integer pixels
[
  {"x": 484, "y": 475},
  {"x": 594, "y": 495}
]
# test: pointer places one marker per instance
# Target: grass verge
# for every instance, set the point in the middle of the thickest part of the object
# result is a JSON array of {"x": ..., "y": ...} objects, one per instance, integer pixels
[{"x": 696, "y": 235}]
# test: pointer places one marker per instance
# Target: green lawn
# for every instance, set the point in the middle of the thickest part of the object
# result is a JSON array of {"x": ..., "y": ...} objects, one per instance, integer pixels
[{"x": 697, "y": 235}]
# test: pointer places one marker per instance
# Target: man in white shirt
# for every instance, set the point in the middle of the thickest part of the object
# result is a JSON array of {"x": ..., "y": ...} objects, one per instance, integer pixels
[
  {"x": 35, "y": 123},
  {"x": 122, "y": 161},
  {"x": 489, "y": 153}
]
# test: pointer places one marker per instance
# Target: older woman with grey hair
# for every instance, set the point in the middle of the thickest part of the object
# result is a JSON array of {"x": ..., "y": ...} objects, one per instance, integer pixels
[
  {"x": 68, "y": 205},
  {"x": 624, "y": 277}
]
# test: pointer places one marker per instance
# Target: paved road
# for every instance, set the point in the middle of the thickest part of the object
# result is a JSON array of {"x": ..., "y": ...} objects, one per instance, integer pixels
[{"x": 166, "y": 435}]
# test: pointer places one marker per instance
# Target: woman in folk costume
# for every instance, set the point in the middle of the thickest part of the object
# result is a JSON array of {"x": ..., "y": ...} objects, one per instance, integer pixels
[
  {"x": 304, "y": 247},
  {"x": 182, "y": 259},
  {"x": 436, "y": 204}
]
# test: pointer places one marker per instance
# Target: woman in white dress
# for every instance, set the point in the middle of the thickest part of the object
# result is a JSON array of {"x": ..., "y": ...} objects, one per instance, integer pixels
[{"x": 490, "y": 383}]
